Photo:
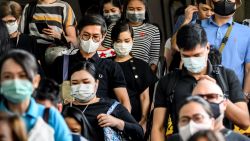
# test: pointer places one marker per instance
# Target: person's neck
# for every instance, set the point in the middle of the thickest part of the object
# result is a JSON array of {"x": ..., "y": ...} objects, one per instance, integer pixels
[
  {"x": 218, "y": 125},
  {"x": 14, "y": 35},
  {"x": 94, "y": 100},
  {"x": 198, "y": 75},
  {"x": 87, "y": 55},
  {"x": 134, "y": 24},
  {"x": 122, "y": 59},
  {"x": 220, "y": 20},
  {"x": 46, "y": 1},
  {"x": 19, "y": 108}
]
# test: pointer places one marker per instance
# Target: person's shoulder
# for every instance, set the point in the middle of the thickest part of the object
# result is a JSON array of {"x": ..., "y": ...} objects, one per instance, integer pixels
[
  {"x": 151, "y": 26},
  {"x": 240, "y": 27},
  {"x": 239, "y": 137}
]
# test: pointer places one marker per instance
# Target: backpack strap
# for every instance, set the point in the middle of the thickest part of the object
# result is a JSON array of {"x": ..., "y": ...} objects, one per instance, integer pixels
[
  {"x": 46, "y": 115},
  {"x": 219, "y": 73},
  {"x": 111, "y": 109},
  {"x": 29, "y": 15},
  {"x": 65, "y": 67}
]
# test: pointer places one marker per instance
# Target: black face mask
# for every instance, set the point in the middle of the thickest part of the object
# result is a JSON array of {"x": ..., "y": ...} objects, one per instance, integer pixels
[
  {"x": 215, "y": 109},
  {"x": 224, "y": 8}
]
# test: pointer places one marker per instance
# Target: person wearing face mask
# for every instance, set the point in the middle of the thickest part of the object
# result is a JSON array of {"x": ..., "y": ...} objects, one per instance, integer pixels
[
  {"x": 92, "y": 30},
  {"x": 10, "y": 14},
  {"x": 138, "y": 74},
  {"x": 212, "y": 93},
  {"x": 146, "y": 44},
  {"x": 194, "y": 49},
  {"x": 18, "y": 80},
  {"x": 112, "y": 11},
  {"x": 195, "y": 114},
  {"x": 231, "y": 38},
  {"x": 84, "y": 84}
]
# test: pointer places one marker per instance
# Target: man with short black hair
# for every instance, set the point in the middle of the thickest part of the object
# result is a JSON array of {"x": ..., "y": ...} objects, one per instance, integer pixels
[
  {"x": 112, "y": 84},
  {"x": 176, "y": 86}
]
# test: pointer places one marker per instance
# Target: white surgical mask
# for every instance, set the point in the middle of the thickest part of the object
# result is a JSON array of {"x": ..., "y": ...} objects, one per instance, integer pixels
[
  {"x": 83, "y": 92},
  {"x": 122, "y": 49},
  {"x": 89, "y": 46},
  {"x": 12, "y": 27},
  {"x": 188, "y": 130},
  {"x": 195, "y": 64}
]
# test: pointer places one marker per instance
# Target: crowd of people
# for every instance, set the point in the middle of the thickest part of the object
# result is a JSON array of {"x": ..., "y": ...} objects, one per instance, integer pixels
[{"x": 96, "y": 79}]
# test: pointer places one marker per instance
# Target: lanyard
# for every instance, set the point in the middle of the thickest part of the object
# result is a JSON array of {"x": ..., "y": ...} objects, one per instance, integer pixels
[{"x": 225, "y": 38}]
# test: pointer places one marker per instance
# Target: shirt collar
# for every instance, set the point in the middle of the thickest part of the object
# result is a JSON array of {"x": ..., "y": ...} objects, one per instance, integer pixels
[
  {"x": 95, "y": 58},
  {"x": 31, "y": 111},
  {"x": 211, "y": 21}
]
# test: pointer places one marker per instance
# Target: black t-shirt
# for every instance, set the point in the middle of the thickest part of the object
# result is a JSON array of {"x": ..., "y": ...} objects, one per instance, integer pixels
[
  {"x": 131, "y": 129},
  {"x": 138, "y": 76},
  {"x": 184, "y": 87},
  {"x": 109, "y": 72}
]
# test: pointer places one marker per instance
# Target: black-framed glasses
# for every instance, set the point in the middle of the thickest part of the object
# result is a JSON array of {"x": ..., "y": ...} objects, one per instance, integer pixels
[
  {"x": 95, "y": 37},
  {"x": 9, "y": 22}
]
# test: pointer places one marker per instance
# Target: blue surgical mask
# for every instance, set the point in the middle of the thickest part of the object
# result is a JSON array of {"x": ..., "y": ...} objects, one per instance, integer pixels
[
  {"x": 195, "y": 64},
  {"x": 136, "y": 17},
  {"x": 17, "y": 90}
]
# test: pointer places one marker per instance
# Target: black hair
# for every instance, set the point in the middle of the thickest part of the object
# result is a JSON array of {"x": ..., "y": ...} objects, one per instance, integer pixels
[
  {"x": 120, "y": 27},
  {"x": 5, "y": 42},
  {"x": 125, "y": 7},
  {"x": 75, "y": 113},
  {"x": 191, "y": 35},
  {"x": 93, "y": 19},
  {"x": 48, "y": 89},
  {"x": 201, "y": 1},
  {"x": 85, "y": 65},
  {"x": 116, "y": 3},
  {"x": 22, "y": 58},
  {"x": 208, "y": 134},
  {"x": 199, "y": 100}
]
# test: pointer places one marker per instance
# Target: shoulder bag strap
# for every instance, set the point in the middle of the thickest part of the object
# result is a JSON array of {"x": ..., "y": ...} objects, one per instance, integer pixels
[
  {"x": 225, "y": 38},
  {"x": 65, "y": 67},
  {"x": 111, "y": 109}
]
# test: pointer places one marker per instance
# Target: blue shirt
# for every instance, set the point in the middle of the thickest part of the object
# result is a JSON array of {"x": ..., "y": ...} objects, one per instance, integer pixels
[
  {"x": 55, "y": 120},
  {"x": 237, "y": 50}
]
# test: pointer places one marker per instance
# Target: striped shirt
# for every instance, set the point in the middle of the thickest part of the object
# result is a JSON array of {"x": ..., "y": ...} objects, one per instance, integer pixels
[
  {"x": 58, "y": 15},
  {"x": 146, "y": 42}
]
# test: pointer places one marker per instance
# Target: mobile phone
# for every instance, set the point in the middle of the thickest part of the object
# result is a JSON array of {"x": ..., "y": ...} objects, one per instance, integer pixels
[{"x": 40, "y": 26}]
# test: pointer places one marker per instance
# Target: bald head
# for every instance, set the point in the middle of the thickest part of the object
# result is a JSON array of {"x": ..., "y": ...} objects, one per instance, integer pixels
[{"x": 206, "y": 86}]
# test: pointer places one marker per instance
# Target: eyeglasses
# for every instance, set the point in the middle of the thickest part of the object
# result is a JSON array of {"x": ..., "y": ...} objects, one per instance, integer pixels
[
  {"x": 197, "y": 118},
  {"x": 10, "y": 22},
  {"x": 95, "y": 37},
  {"x": 210, "y": 96}
]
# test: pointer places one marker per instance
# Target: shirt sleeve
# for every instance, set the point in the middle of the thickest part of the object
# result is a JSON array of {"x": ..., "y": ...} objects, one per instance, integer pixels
[
  {"x": 69, "y": 16},
  {"x": 247, "y": 56},
  {"x": 160, "y": 95},
  {"x": 235, "y": 89},
  {"x": 117, "y": 76},
  {"x": 57, "y": 122},
  {"x": 131, "y": 128},
  {"x": 155, "y": 47},
  {"x": 107, "y": 42}
]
